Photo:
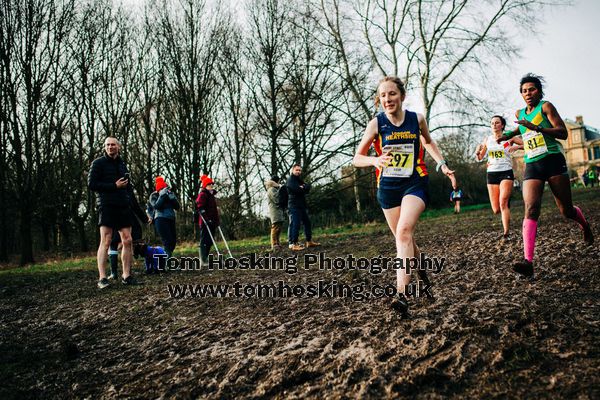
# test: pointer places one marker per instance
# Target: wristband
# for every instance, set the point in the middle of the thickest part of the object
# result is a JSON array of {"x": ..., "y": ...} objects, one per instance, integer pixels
[{"x": 439, "y": 165}]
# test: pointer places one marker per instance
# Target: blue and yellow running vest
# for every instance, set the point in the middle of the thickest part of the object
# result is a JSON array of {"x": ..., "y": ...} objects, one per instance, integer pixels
[{"x": 403, "y": 143}]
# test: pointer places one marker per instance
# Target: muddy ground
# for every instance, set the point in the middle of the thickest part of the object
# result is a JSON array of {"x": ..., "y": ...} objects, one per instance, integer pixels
[{"x": 487, "y": 333}]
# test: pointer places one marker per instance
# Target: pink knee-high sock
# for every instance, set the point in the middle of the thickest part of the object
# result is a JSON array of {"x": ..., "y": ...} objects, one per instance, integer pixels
[
  {"x": 529, "y": 233},
  {"x": 579, "y": 218}
]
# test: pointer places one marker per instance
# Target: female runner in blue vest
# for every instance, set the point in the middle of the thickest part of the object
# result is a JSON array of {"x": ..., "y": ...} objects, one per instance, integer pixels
[
  {"x": 540, "y": 127},
  {"x": 399, "y": 138}
]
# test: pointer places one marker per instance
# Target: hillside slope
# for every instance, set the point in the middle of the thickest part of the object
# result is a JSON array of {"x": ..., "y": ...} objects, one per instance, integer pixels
[{"x": 487, "y": 333}]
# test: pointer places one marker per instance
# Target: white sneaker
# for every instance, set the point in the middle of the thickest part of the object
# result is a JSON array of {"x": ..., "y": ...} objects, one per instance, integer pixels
[{"x": 103, "y": 283}]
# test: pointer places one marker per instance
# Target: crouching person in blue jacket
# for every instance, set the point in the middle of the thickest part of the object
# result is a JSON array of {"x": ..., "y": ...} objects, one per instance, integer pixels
[{"x": 155, "y": 257}]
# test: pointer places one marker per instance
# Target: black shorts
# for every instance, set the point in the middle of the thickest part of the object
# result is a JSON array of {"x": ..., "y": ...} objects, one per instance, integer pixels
[
  {"x": 456, "y": 198},
  {"x": 136, "y": 233},
  {"x": 494, "y": 178},
  {"x": 547, "y": 167},
  {"x": 390, "y": 197},
  {"x": 114, "y": 217}
]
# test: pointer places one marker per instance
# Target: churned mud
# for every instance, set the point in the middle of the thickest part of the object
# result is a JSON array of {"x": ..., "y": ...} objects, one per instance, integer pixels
[{"x": 487, "y": 333}]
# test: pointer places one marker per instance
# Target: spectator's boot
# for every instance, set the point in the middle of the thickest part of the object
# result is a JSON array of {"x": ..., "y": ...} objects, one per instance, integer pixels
[
  {"x": 310, "y": 243},
  {"x": 203, "y": 255},
  {"x": 114, "y": 264}
]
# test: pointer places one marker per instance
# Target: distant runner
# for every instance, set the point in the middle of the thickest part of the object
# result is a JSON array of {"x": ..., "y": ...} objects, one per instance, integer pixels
[
  {"x": 400, "y": 138},
  {"x": 540, "y": 126},
  {"x": 500, "y": 176},
  {"x": 456, "y": 197}
]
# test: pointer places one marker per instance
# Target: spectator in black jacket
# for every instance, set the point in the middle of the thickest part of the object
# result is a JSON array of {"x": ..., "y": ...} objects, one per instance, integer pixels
[
  {"x": 109, "y": 177},
  {"x": 297, "y": 190}
]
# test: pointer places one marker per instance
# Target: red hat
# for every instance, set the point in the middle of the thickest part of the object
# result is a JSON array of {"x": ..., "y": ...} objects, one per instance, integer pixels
[
  {"x": 160, "y": 183},
  {"x": 206, "y": 181}
]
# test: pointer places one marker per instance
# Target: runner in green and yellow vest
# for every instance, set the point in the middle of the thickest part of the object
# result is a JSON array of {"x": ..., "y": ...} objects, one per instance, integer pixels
[{"x": 540, "y": 126}]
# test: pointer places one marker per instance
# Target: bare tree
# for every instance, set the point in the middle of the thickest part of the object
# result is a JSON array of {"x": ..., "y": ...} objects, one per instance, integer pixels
[
  {"x": 436, "y": 46},
  {"x": 317, "y": 137},
  {"x": 354, "y": 63},
  {"x": 236, "y": 131},
  {"x": 152, "y": 96},
  {"x": 267, "y": 53},
  {"x": 33, "y": 40},
  {"x": 90, "y": 42},
  {"x": 187, "y": 48}
]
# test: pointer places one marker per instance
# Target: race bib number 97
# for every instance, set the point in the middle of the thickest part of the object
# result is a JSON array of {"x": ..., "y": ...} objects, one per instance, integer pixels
[{"x": 402, "y": 163}]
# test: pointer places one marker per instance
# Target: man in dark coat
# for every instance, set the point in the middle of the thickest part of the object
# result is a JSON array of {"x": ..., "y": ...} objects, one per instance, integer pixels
[
  {"x": 109, "y": 178},
  {"x": 297, "y": 190}
]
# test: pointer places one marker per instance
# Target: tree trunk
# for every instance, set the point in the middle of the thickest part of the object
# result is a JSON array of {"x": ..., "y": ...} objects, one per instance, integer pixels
[
  {"x": 356, "y": 189},
  {"x": 25, "y": 233},
  {"x": 45, "y": 236},
  {"x": 3, "y": 231},
  {"x": 65, "y": 235},
  {"x": 83, "y": 242}
]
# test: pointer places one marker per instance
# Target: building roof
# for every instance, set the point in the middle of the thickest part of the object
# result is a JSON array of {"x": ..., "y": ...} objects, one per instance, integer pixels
[{"x": 591, "y": 133}]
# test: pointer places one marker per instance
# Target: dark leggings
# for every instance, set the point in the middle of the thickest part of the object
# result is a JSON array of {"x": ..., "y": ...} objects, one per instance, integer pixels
[
  {"x": 165, "y": 228},
  {"x": 205, "y": 239},
  {"x": 299, "y": 216}
]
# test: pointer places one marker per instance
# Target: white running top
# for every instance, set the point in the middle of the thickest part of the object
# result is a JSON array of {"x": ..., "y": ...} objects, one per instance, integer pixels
[{"x": 498, "y": 159}]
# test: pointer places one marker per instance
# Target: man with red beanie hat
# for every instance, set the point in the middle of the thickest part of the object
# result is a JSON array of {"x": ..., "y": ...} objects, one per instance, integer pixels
[
  {"x": 161, "y": 208},
  {"x": 206, "y": 206}
]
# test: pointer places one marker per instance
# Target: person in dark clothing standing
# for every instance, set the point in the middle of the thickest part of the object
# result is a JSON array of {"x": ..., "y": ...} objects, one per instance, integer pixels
[
  {"x": 161, "y": 208},
  {"x": 206, "y": 206},
  {"x": 276, "y": 214},
  {"x": 138, "y": 216},
  {"x": 297, "y": 190},
  {"x": 109, "y": 178},
  {"x": 592, "y": 178}
]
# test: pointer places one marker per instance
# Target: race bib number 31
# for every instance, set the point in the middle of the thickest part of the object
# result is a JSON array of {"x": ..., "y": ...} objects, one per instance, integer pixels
[
  {"x": 402, "y": 163},
  {"x": 534, "y": 144}
]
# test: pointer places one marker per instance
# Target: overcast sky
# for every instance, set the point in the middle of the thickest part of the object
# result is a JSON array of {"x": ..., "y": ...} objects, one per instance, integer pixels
[{"x": 567, "y": 55}]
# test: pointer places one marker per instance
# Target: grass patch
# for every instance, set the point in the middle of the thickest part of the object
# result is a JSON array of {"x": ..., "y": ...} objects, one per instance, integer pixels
[
  {"x": 71, "y": 264},
  {"x": 260, "y": 243}
]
